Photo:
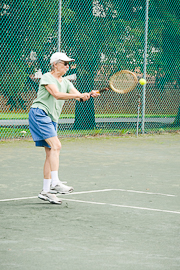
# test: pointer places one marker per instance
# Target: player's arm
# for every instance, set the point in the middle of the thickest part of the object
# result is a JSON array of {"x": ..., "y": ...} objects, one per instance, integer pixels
[
  {"x": 86, "y": 95},
  {"x": 52, "y": 89}
]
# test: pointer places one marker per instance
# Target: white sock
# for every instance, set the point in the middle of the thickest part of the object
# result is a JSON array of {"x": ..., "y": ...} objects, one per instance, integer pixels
[
  {"x": 54, "y": 178},
  {"x": 46, "y": 185}
]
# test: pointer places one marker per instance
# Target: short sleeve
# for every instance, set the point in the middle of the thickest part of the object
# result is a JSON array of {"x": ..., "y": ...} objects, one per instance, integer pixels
[
  {"x": 45, "y": 79},
  {"x": 69, "y": 85}
]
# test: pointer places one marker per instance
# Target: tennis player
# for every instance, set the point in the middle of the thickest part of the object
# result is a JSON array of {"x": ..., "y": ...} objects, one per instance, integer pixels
[{"x": 43, "y": 119}]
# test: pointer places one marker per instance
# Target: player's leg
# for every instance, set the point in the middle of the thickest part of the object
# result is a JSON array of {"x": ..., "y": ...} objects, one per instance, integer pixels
[
  {"x": 47, "y": 166},
  {"x": 45, "y": 193},
  {"x": 53, "y": 158},
  {"x": 53, "y": 154},
  {"x": 41, "y": 126},
  {"x": 47, "y": 171}
]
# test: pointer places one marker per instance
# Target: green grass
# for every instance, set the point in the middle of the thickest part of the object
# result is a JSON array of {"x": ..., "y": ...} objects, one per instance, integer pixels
[
  {"x": 8, "y": 116},
  {"x": 15, "y": 133},
  {"x": 5, "y": 116},
  {"x": 10, "y": 133}
]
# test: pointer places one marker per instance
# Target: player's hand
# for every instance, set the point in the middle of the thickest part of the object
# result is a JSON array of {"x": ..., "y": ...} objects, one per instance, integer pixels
[
  {"x": 94, "y": 93},
  {"x": 85, "y": 96}
]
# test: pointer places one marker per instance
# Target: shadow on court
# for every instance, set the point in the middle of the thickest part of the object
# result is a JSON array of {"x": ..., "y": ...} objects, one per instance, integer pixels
[{"x": 124, "y": 212}]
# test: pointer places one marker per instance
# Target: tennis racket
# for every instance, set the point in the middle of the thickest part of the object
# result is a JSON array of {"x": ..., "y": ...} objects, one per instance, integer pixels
[{"x": 122, "y": 82}]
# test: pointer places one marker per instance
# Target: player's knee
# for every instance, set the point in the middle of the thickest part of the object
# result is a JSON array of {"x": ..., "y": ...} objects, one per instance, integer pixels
[{"x": 57, "y": 146}]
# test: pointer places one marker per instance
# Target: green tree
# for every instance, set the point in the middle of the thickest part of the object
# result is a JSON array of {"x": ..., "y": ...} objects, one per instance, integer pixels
[
  {"x": 13, "y": 84},
  {"x": 12, "y": 68},
  {"x": 116, "y": 29},
  {"x": 27, "y": 25},
  {"x": 101, "y": 28},
  {"x": 165, "y": 37},
  {"x": 102, "y": 33},
  {"x": 85, "y": 49}
]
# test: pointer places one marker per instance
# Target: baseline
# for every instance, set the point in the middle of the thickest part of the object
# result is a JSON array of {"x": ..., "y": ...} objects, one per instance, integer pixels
[
  {"x": 94, "y": 191},
  {"x": 124, "y": 206}
]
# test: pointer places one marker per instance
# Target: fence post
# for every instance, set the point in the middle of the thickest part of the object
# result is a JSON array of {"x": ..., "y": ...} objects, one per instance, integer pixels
[
  {"x": 59, "y": 27},
  {"x": 145, "y": 62}
]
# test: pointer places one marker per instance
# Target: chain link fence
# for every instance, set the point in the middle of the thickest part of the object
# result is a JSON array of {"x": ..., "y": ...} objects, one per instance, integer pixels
[{"x": 104, "y": 37}]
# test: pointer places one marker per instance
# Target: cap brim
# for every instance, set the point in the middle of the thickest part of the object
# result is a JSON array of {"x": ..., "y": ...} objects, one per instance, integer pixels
[{"x": 69, "y": 60}]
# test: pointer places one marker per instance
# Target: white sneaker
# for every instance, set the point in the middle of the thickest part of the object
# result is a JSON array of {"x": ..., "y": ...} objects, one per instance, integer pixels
[
  {"x": 47, "y": 196},
  {"x": 61, "y": 188}
]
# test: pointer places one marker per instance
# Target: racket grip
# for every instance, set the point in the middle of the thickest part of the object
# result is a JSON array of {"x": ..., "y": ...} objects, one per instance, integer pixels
[
  {"x": 103, "y": 90},
  {"x": 81, "y": 100},
  {"x": 99, "y": 91}
]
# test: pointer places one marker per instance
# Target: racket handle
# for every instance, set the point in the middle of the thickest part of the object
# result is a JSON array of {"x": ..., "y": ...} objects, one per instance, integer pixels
[
  {"x": 99, "y": 91},
  {"x": 81, "y": 100},
  {"x": 103, "y": 90}
]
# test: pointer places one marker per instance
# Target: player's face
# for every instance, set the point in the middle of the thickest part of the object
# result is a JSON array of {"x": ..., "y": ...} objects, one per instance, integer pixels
[{"x": 63, "y": 67}]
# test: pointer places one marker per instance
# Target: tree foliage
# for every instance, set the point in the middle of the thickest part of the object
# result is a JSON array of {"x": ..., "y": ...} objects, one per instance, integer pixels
[{"x": 97, "y": 33}]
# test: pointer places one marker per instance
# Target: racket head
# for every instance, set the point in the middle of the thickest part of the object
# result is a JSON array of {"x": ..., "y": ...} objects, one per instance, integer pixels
[{"x": 123, "y": 81}]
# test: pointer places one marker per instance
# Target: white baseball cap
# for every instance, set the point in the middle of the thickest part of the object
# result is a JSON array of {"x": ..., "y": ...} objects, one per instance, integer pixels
[{"x": 60, "y": 56}]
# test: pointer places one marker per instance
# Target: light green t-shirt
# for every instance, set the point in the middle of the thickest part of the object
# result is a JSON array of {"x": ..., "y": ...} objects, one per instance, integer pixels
[{"x": 46, "y": 101}]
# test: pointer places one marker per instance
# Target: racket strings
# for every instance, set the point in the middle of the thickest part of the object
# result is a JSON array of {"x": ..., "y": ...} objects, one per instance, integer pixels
[{"x": 123, "y": 82}]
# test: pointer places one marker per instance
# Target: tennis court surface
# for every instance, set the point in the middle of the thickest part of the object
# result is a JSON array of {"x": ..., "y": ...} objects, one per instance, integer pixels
[{"x": 124, "y": 213}]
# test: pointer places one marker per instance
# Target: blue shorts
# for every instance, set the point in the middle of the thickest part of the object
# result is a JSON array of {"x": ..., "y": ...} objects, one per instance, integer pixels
[{"x": 41, "y": 127}]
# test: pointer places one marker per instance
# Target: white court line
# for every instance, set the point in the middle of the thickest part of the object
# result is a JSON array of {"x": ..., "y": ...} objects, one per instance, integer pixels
[
  {"x": 125, "y": 206},
  {"x": 109, "y": 204},
  {"x": 124, "y": 190},
  {"x": 17, "y": 199},
  {"x": 94, "y": 191}
]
